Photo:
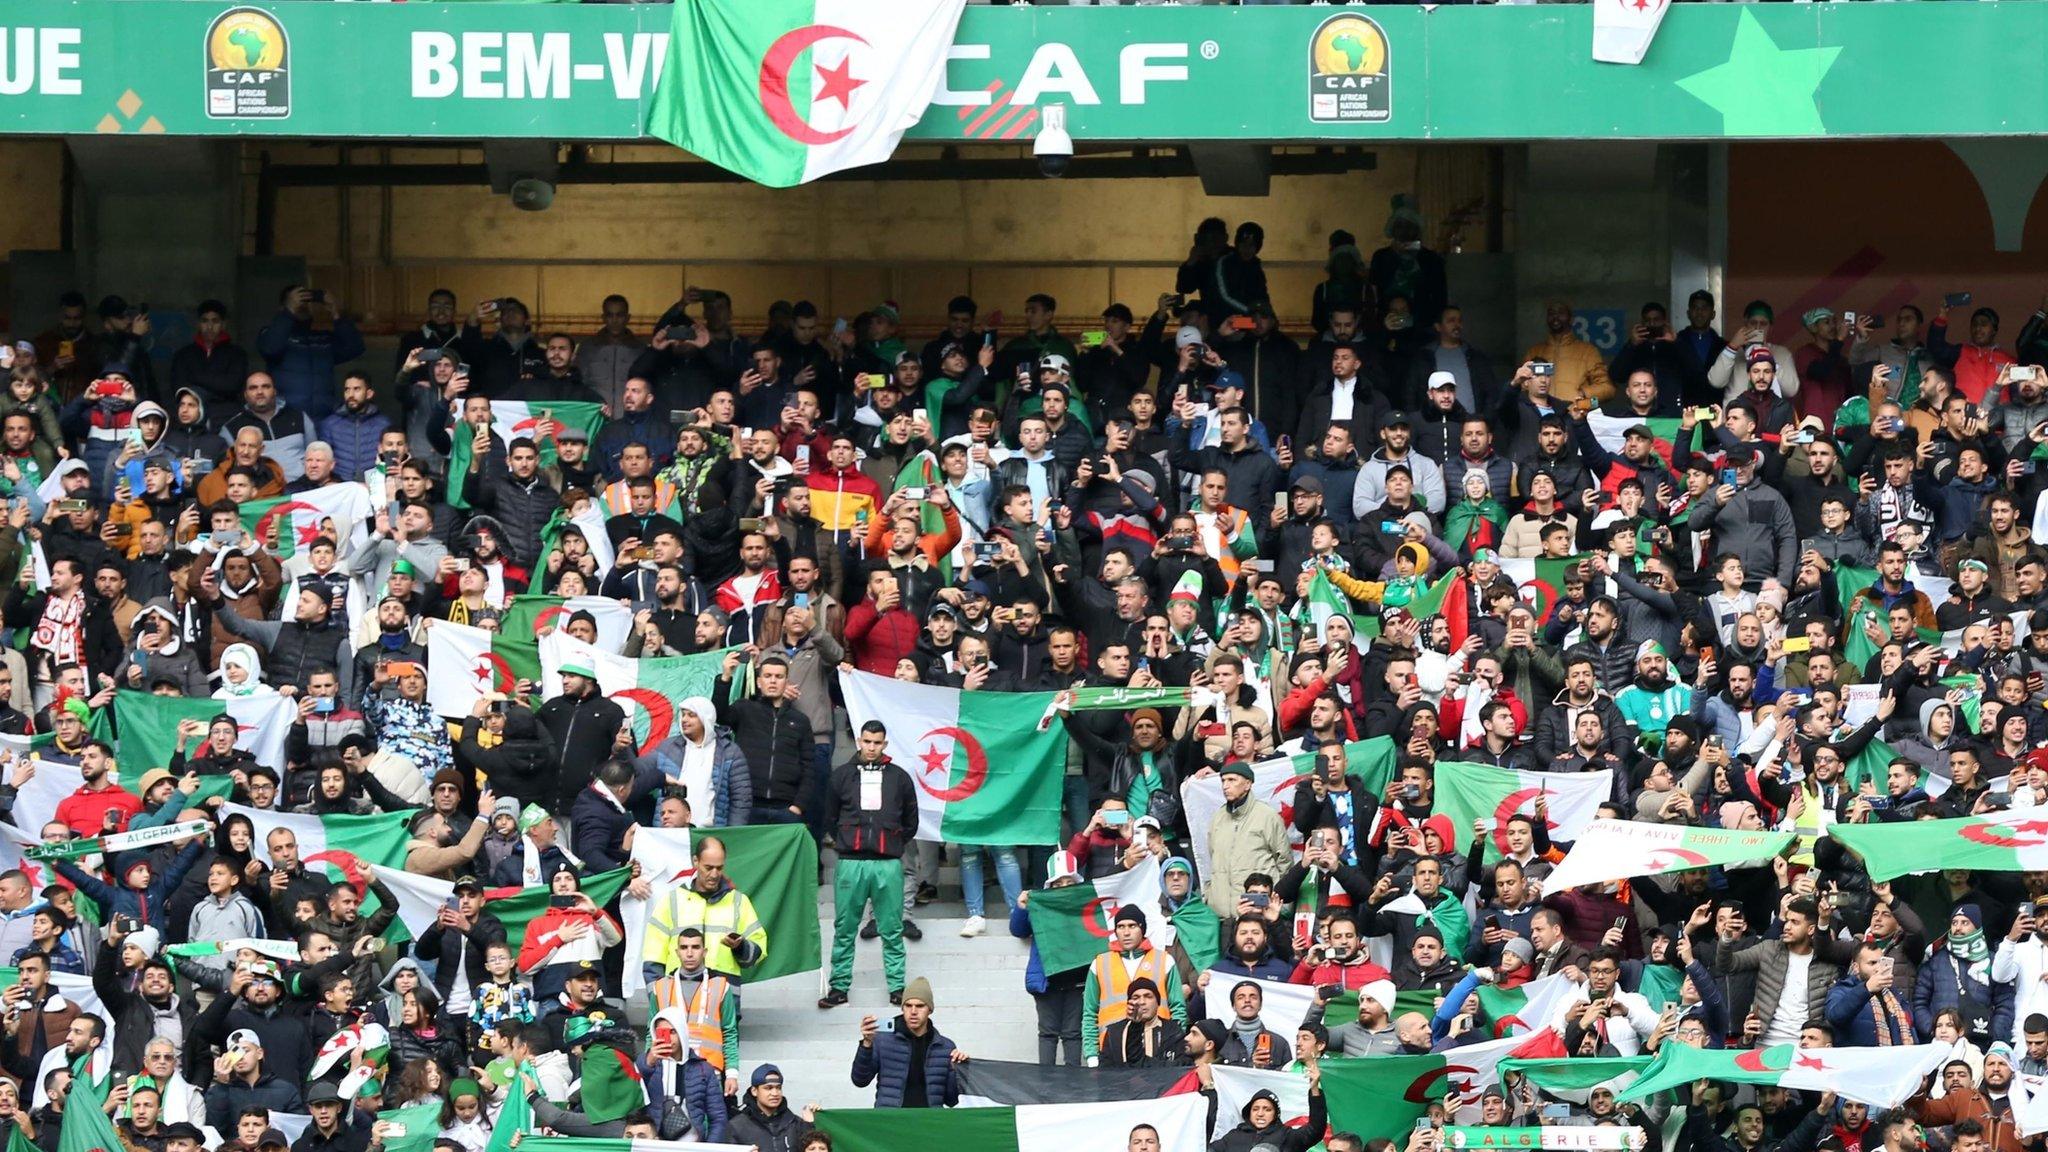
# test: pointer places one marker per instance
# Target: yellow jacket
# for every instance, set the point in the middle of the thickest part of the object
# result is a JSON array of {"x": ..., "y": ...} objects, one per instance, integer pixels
[
  {"x": 728, "y": 912},
  {"x": 1580, "y": 371}
]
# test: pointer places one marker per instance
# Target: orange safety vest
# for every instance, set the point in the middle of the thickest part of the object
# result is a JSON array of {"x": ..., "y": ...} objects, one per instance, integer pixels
[
  {"x": 705, "y": 1013},
  {"x": 1112, "y": 984}
]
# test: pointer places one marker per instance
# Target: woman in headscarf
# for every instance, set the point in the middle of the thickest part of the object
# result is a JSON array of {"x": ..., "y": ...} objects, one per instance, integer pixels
[
  {"x": 1957, "y": 974},
  {"x": 241, "y": 674}
]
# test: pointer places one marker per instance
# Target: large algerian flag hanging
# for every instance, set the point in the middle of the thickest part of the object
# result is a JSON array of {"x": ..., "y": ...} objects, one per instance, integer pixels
[
  {"x": 513, "y": 419},
  {"x": 380, "y": 838},
  {"x": 1273, "y": 781},
  {"x": 145, "y": 727},
  {"x": 1539, "y": 580},
  {"x": 650, "y": 690},
  {"x": 1468, "y": 792},
  {"x": 1618, "y": 849},
  {"x": 465, "y": 662},
  {"x": 775, "y": 865},
  {"x": 785, "y": 91},
  {"x": 984, "y": 772},
  {"x": 2015, "y": 841},
  {"x": 289, "y": 524},
  {"x": 527, "y": 615},
  {"x": 1880, "y": 1077},
  {"x": 1074, "y": 925},
  {"x": 1612, "y": 433},
  {"x": 420, "y": 899},
  {"x": 1180, "y": 1121}
]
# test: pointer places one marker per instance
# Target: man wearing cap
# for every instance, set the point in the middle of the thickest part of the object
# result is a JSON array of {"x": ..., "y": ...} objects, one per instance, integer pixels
[
  {"x": 141, "y": 1130},
  {"x": 458, "y": 941},
  {"x": 1396, "y": 446},
  {"x": 1130, "y": 964},
  {"x": 1245, "y": 837},
  {"x": 582, "y": 729},
  {"x": 764, "y": 1118},
  {"x": 1653, "y": 699},
  {"x": 1143, "y": 1038},
  {"x": 1729, "y": 373},
  {"x": 911, "y": 1063},
  {"x": 242, "y": 1079}
]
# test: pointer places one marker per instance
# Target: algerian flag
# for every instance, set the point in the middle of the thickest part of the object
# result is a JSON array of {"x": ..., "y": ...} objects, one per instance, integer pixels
[
  {"x": 785, "y": 91},
  {"x": 1121, "y": 698},
  {"x": 527, "y": 615},
  {"x": 420, "y": 899},
  {"x": 413, "y": 1129},
  {"x": 380, "y": 838},
  {"x": 984, "y": 772},
  {"x": 1075, "y": 924},
  {"x": 663, "y": 855},
  {"x": 1273, "y": 781},
  {"x": 1539, "y": 580},
  {"x": 2015, "y": 841},
  {"x": 86, "y": 1127},
  {"x": 1575, "y": 1078},
  {"x": 340, "y": 511},
  {"x": 590, "y": 522},
  {"x": 1236, "y": 1086},
  {"x": 1468, "y": 792},
  {"x": 147, "y": 726},
  {"x": 1180, "y": 1120},
  {"x": 651, "y": 689},
  {"x": 1619, "y": 849},
  {"x": 465, "y": 662},
  {"x": 1282, "y": 1006},
  {"x": 1385, "y": 1095},
  {"x": 1880, "y": 1077},
  {"x": 1323, "y": 601},
  {"x": 513, "y": 419},
  {"x": 1530, "y": 1007},
  {"x": 1612, "y": 433},
  {"x": 515, "y": 1117},
  {"x": 282, "y": 950}
]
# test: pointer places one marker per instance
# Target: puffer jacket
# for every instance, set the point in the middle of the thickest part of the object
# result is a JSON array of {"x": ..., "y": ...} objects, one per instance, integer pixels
[
  {"x": 522, "y": 507},
  {"x": 887, "y": 1060},
  {"x": 782, "y": 1132},
  {"x": 1941, "y": 985},
  {"x": 732, "y": 785},
  {"x": 354, "y": 436},
  {"x": 1769, "y": 960}
]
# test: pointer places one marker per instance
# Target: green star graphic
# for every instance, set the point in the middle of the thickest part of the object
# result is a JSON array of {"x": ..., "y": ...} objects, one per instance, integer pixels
[{"x": 1762, "y": 89}]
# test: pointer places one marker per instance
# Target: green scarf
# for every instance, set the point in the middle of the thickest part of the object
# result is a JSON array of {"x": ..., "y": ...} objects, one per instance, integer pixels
[{"x": 1969, "y": 947}]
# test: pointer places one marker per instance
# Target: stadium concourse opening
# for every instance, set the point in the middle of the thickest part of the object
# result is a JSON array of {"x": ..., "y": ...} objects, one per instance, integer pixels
[{"x": 978, "y": 577}]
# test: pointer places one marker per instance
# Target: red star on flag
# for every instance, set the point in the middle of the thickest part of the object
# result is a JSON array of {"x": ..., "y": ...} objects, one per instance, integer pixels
[
  {"x": 838, "y": 84},
  {"x": 1810, "y": 1062},
  {"x": 934, "y": 761},
  {"x": 481, "y": 672}
]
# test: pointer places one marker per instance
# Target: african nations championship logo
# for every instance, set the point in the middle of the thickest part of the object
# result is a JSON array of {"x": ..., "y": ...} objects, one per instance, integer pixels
[
  {"x": 1349, "y": 73},
  {"x": 247, "y": 57}
]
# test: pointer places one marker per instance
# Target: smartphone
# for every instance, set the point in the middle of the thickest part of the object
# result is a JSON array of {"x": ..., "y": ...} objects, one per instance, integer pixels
[
  {"x": 915, "y": 492},
  {"x": 461, "y": 565},
  {"x": 920, "y": 416},
  {"x": 561, "y": 901},
  {"x": 751, "y": 523},
  {"x": 1279, "y": 501},
  {"x": 323, "y": 705},
  {"x": 1705, "y": 412},
  {"x": 1848, "y": 319},
  {"x": 1542, "y": 368},
  {"x": 1492, "y": 923},
  {"x": 680, "y": 332},
  {"x": 986, "y": 551},
  {"x": 1798, "y": 644},
  {"x": 1728, "y": 477},
  {"x": 1093, "y": 339},
  {"x": 1393, "y": 527},
  {"x": 1556, "y": 1111},
  {"x": 453, "y": 903},
  {"x": 800, "y": 600},
  {"x": 1956, "y": 300},
  {"x": 487, "y": 307},
  {"x": 73, "y": 505},
  {"x": 679, "y": 416},
  {"x": 2024, "y": 372},
  {"x": 1712, "y": 742},
  {"x": 1240, "y": 324},
  {"x": 1257, "y": 899},
  {"x": 1424, "y": 1124},
  {"x": 1116, "y": 818},
  {"x": 839, "y": 326},
  {"x": 429, "y": 355},
  {"x": 873, "y": 380},
  {"x": 803, "y": 455},
  {"x": 1621, "y": 922}
]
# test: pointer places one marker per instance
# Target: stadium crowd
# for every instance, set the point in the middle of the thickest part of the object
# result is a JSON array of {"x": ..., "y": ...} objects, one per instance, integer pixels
[{"x": 1715, "y": 567}]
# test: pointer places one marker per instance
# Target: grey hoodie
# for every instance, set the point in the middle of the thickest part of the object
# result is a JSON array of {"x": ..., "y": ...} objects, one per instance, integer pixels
[{"x": 176, "y": 661}]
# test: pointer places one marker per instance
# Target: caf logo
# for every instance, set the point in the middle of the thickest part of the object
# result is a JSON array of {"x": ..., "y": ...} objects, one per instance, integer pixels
[
  {"x": 247, "y": 67},
  {"x": 1349, "y": 73}
]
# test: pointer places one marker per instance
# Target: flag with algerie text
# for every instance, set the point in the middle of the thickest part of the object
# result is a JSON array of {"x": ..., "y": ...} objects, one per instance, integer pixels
[
  {"x": 1181, "y": 1122},
  {"x": 1620, "y": 849},
  {"x": 1880, "y": 1077},
  {"x": 983, "y": 772},
  {"x": 1075, "y": 924}
]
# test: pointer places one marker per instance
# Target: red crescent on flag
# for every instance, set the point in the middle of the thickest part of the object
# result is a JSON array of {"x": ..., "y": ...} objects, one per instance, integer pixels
[
  {"x": 1511, "y": 805},
  {"x": 350, "y": 864},
  {"x": 1418, "y": 1092},
  {"x": 661, "y": 715},
  {"x": 546, "y": 617},
  {"x": 2034, "y": 834},
  {"x": 1095, "y": 916},
  {"x": 775, "y": 65},
  {"x": 1675, "y": 858},
  {"x": 1776, "y": 1058},
  {"x": 977, "y": 767},
  {"x": 264, "y": 521},
  {"x": 494, "y": 673}
]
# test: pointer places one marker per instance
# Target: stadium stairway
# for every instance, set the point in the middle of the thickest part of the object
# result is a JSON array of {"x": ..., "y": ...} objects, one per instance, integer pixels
[{"x": 978, "y": 983}]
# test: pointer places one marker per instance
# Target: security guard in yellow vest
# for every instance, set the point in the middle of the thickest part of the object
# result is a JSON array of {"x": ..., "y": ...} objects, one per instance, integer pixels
[
  {"x": 1105, "y": 998},
  {"x": 707, "y": 1003},
  {"x": 734, "y": 937}
]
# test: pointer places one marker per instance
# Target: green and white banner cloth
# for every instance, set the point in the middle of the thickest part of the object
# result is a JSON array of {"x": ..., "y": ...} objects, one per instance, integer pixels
[
  {"x": 1108, "y": 699},
  {"x": 1282, "y": 1006},
  {"x": 146, "y": 727},
  {"x": 1880, "y": 1077},
  {"x": 376, "y": 839},
  {"x": 1468, "y": 792},
  {"x": 650, "y": 690},
  {"x": 527, "y": 615},
  {"x": 1555, "y": 1138},
  {"x": 985, "y": 773},
  {"x": 120, "y": 842},
  {"x": 513, "y": 419},
  {"x": 534, "y": 1143},
  {"x": 1531, "y": 1007},
  {"x": 1181, "y": 1122},
  {"x": 1074, "y": 925},
  {"x": 1620, "y": 849},
  {"x": 2015, "y": 841},
  {"x": 785, "y": 91},
  {"x": 1273, "y": 781},
  {"x": 286, "y": 951}
]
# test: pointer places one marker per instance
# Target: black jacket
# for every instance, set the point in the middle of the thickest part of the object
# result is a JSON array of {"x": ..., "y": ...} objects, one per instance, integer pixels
[
  {"x": 579, "y": 731},
  {"x": 522, "y": 506},
  {"x": 600, "y": 830},
  {"x": 782, "y": 1132},
  {"x": 134, "y": 1022},
  {"x": 776, "y": 740},
  {"x": 448, "y": 948},
  {"x": 880, "y": 833}
]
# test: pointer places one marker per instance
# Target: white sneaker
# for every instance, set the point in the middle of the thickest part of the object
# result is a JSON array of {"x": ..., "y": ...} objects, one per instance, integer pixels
[{"x": 974, "y": 926}]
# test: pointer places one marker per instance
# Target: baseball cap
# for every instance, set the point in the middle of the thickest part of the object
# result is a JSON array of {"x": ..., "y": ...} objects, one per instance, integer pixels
[
  {"x": 585, "y": 968},
  {"x": 1395, "y": 419},
  {"x": 1187, "y": 336},
  {"x": 244, "y": 1038},
  {"x": 570, "y": 432},
  {"x": 1307, "y": 484},
  {"x": 322, "y": 1092},
  {"x": 467, "y": 883},
  {"x": 272, "y": 1136},
  {"x": 1442, "y": 380}
]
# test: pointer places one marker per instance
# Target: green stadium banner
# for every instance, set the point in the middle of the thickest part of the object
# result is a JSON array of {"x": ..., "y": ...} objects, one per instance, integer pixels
[{"x": 588, "y": 72}]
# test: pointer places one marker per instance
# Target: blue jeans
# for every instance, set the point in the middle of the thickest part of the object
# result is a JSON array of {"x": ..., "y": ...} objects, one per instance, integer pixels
[{"x": 1008, "y": 874}]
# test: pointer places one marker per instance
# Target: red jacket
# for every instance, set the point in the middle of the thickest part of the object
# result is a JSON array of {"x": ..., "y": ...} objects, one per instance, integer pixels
[
  {"x": 877, "y": 641},
  {"x": 85, "y": 811},
  {"x": 1353, "y": 976},
  {"x": 1451, "y": 713}
]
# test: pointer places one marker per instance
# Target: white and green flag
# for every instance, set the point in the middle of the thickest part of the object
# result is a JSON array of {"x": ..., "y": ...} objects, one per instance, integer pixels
[
  {"x": 1181, "y": 1122},
  {"x": 516, "y": 419},
  {"x": 1075, "y": 924},
  {"x": 984, "y": 772},
  {"x": 785, "y": 91},
  {"x": 2014, "y": 841},
  {"x": 1620, "y": 849},
  {"x": 348, "y": 843},
  {"x": 650, "y": 690},
  {"x": 1469, "y": 792}
]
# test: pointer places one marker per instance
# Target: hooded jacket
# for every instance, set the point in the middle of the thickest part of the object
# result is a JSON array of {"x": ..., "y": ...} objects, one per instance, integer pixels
[
  {"x": 731, "y": 784},
  {"x": 174, "y": 660},
  {"x": 1278, "y": 1135}
]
